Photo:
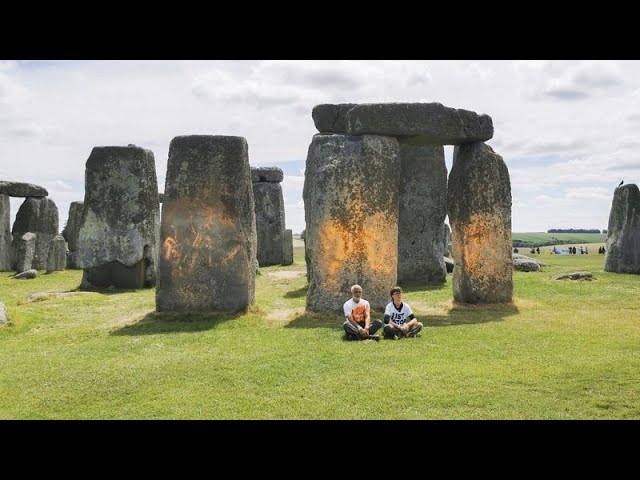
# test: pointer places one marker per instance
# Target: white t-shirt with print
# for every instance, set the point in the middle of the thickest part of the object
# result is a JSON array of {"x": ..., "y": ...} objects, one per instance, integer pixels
[{"x": 399, "y": 317}]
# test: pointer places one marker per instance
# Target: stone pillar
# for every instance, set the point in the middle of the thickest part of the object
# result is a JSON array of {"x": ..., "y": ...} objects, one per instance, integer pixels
[
  {"x": 623, "y": 231},
  {"x": 287, "y": 248},
  {"x": 423, "y": 207},
  {"x": 57, "y": 260},
  {"x": 269, "y": 211},
  {"x": 351, "y": 212},
  {"x": 39, "y": 216},
  {"x": 479, "y": 202},
  {"x": 73, "y": 232},
  {"x": 5, "y": 233},
  {"x": 208, "y": 233},
  {"x": 24, "y": 249},
  {"x": 120, "y": 225}
]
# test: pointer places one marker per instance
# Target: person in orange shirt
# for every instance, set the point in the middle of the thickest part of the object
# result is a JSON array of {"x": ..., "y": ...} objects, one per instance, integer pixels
[{"x": 357, "y": 311}]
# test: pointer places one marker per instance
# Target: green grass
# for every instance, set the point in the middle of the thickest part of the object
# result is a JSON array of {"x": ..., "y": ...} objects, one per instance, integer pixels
[
  {"x": 536, "y": 239},
  {"x": 563, "y": 350}
]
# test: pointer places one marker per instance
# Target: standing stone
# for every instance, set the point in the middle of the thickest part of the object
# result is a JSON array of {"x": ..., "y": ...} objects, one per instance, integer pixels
[
  {"x": 73, "y": 232},
  {"x": 423, "y": 207},
  {"x": 208, "y": 228},
  {"x": 351, "y": 211},
  {"x": 24, "y": 248},
  {"x": 120, "y": 225},
  {"x": 447, "y": 239},
  {"x": 5, "y": 233},
  {"x": 39, "y": 216},
  {"x": 287, "y": 248},
  {"x": 479, "y": 202},
  {"x": 269, "y": 212},
  {"x": 57, "y": 260},
  {"x": 623, "y": 238}
]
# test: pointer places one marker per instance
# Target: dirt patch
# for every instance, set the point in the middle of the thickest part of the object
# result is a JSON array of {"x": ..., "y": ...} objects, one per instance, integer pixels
[
  {"x": 284, "y": 314},
  {"x": 286, "y": 274}
]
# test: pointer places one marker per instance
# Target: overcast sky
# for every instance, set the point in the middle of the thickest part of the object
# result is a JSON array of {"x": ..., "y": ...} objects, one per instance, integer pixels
[{"x": 567, "y": 130}]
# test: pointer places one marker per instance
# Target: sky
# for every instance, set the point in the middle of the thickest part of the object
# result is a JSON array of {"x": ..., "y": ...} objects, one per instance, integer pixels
[{"x": 569, "y": 131}]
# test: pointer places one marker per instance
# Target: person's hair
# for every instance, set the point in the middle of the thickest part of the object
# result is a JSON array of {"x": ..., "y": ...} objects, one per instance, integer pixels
[
  {"x": 395, "y": 290},
  {"x": 355, "y": 286}
]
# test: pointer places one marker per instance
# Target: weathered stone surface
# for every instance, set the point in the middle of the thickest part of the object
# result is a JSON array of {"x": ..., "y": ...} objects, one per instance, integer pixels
[
  {"x": 351, "y": 211},
  {"x": 73, "y": 232},
  {"x": 479, "y": 203},
  {"x": 623, "y": 238},
  {"x": 331, "y": 118},
  {"x": 115, "y": 274},
  {"x": 287, "y": 248},
  {"x": 5, "y": 233},
  {"x": 57, "y": 260},
  {"x": 19, "y": 189},
  {"x": 266, "y": 174},
  {"x": 39, "y": 216},
  {"x": 447, "y": 239},
  {"x": 26, "y": 275},
  {"x": 121, "y": 215},
  {"x": 583, "y": 275},
  {"x": 161, "y": 198},
  {"x": 270, "y": 222},
  {"x": 423, "y": 206},
  {"x": 208, "y": 258},
  {"x": 525, "y": 264},
  {"x": 421, "y": 123},
  {"x": 4, "y": 315},
  {"x": 24, "y": 249}
]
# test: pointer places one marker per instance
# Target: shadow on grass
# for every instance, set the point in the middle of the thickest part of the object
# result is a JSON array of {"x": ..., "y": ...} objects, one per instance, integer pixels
[
  {"x": 316, "y": 320},
  {"x": 410, "y": 287},
  {"x": 467, "y": 314},
  {"x": 301, "y": 292},
  {"x": 172, "y": 322}
]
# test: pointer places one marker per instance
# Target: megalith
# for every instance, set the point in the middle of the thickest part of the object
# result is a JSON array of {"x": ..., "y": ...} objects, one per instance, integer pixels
[
  {"x": 623, "y": 231},
  {"x": 351, "y": 212},
  {"x": 24, "y": 249},
  {"x": 479, "y": 205},
  {"x": 5, "y": 233},
  {"x": 119, "y": 227},
  {"x": 287, "y": 248},
  {"x": 331, "y": 118},
  {"x": 57, "y": 260},
  {"x": 423, "y": 207},
  {"x": 208, "y": 234},
  {"x": 20, "y": 189},
  {"x": 73, "y": 232},
  {"x": 39, "y": 216},
  {"x": 269, "y": 212}
]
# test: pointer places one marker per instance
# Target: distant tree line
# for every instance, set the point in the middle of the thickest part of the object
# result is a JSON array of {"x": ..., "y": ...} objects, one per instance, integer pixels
[{"x": 574, "y": 230}]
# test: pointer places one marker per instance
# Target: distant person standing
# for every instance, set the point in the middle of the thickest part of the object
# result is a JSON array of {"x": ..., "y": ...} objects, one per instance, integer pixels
[
  {"x": 538, "y": 250},
  {"x": 515, "y": 250},
  {"x": 357, "y": 311}
]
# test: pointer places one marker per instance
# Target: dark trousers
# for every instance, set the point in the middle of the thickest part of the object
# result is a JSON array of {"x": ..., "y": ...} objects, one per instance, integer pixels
[{"x": 354, "y": 334}]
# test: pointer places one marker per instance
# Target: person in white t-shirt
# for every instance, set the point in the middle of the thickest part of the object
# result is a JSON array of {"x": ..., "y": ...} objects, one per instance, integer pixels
[
  {"x": 399, "y": 318},
  {"x": 357, "y": 311}
]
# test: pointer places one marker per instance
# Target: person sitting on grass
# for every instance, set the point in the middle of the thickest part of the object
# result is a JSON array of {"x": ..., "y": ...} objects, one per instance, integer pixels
[
  {"x": 357, "y": 311},
  {"x": 399, "y": 318}
]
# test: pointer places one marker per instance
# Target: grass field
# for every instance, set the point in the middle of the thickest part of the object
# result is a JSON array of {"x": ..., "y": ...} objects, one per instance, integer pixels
[
  {"x": 543, "y": 238},
  {"x": 563, "y": 350}
]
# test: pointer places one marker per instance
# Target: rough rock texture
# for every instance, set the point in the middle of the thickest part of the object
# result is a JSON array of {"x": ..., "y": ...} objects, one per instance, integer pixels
[
  {"x": 161, "y": 198},
  {"x": 479, "y": 202},
  {"x": 573, "y": 276},
  {"x": 266, "y": 174},
  {"x": 57, "y": 260},
  {"x": 4, "y": 315},
  {"x": 270, "y": 222},
  {"x": 287, "y": 248},
  {"x": 73, "y": 232},
  {"x": 5, "y": 233},
  {"x": 39, "y": 216},
  {"x": 18, "y": 189},
  {"x": 24, "y": 249},
  {"x": 208, "y": 257},
  {"x": 421, "y": 123},
  {"x": 447, "y": 239},
  {"x": 351, "y": 211},
  {"x": 331, "y": 118},
  {"x": 525, "y": 264},
  {"x": 623, "y": 239},
  {"x": 121, "y": 215},
  {"x": 423, "y": 206},
  {"x": 26, "y": 275}
]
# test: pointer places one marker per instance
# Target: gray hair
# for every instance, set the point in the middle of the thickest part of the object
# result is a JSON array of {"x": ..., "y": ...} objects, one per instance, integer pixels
[{"x": 355, "y": 286}]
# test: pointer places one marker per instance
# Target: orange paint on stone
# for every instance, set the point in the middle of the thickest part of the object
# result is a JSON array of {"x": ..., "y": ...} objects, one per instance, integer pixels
[{"x": 484, "y": 247}]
